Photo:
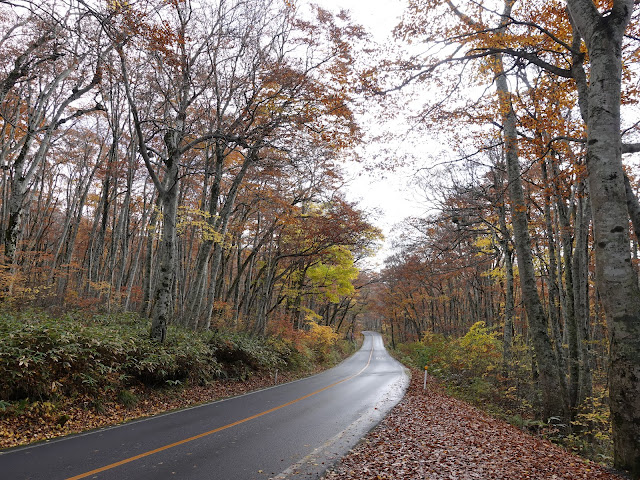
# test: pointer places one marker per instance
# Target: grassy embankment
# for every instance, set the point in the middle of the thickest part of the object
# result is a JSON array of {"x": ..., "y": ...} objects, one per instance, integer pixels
[{"x": 69, "y": 373}]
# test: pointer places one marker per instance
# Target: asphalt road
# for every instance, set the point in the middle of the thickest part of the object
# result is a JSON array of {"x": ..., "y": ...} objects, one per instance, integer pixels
[{"x": 293, "y": 430}]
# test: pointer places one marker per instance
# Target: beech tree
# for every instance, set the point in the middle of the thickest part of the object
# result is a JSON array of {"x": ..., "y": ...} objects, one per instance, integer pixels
[
  {"x": 523, "y": 41},
  {"x": 59, "y": 67},
  {"x": 484, "y": 41},
  {"x": 603, "y": 33},
  {"x": 149, "y": 149}
]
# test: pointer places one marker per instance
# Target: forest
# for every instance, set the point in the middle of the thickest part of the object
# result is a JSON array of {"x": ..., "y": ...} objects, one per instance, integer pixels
[{"x": 184, "y": 160}]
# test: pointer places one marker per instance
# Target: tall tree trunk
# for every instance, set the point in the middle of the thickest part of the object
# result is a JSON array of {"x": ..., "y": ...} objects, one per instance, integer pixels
[
  {"x": 554, "y": 289},
  {"x": 212, "y": 247},
  {"x": 68, "y": 242},
  {"x": 162, "y": 306},
  {"x": 616, "y": 279},
  {"x": 133, "y": 279},
  {"x": 570, "y": 321},
  {"x": 96, "y": 250},
  {"x": 19, "y": 185},
  {"x": 581, "y": 296},
  {"x": 509, "y": 304},
  {"x": 148, "y": 282},
  {"x": 553, "y": 395}
]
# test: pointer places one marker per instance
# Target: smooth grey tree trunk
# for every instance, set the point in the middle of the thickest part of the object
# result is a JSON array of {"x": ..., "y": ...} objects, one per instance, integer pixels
[
  {"x": 581, "y": 296},
  {"x": 210, "y": 250},
  {"x": 553, "y": 395},
  {"x": 616, "y": 279},
  {"x": 509, "y": 304},
  {"x": 554, "y": 289},
  {"x": 148, "y": 282},
  {"x": 136, "y": 262},
  {"x": 68, "y": 240},
  {"x": 163, "y": 301}
]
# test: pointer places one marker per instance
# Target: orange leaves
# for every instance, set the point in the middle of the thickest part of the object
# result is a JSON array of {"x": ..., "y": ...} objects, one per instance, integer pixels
[
  {"x": 433, "y": 436},
  {"x": 473, "y": 36},
  {"x": 162, "y": 38},
  {"x": 318, "y": 233},
  {"x": 159, "y": 36}
]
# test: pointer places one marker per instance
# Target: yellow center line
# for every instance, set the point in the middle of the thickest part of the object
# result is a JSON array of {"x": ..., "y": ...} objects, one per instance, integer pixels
[{"x": 215, "y": 430}]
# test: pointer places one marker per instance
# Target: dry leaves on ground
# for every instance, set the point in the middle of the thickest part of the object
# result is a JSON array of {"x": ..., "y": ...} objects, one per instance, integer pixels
[
  {"x": 431, "y": 436},
  {"x": 46, "y": 420}
]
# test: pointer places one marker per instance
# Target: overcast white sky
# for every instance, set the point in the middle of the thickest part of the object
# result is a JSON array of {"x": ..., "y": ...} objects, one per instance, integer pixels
[
  {"x": 380, "y": 16},
  {"x": 391, "y": 197}
]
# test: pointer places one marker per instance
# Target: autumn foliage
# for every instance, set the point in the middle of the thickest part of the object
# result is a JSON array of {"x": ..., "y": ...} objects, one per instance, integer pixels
[
  {"x": 432, "y": 435},
  {"x": 171, "y": 200},
  {"x": 534, "y": 210},
  {"x": 177, "y": 160}
]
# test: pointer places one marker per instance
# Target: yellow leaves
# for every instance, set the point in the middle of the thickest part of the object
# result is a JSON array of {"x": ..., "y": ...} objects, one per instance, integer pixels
[
  {"x": 321, "y": 337},
  {"x": 498, "y": 273},
  {"x": 199, "y": 222},
  {"x": 101, "y": 287},
  {"x": 479, "y": 350},
  {"x": 334, "y": 278},
  {"x": 118, "y": 5},
  {"x": 272, "y": 104},
  {"x": 484, "y": 243}
]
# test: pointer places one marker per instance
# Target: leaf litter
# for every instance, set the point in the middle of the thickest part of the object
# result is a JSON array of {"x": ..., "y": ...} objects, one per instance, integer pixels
[
  {"x": 432, "y": 436},
  {"x": 39, "y": 421}
]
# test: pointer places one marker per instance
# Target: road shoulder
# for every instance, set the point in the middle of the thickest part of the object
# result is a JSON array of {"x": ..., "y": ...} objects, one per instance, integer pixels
[{"x": 432, "y": 436}]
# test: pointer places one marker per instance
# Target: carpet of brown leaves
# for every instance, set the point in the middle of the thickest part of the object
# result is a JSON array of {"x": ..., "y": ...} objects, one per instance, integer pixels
[
  {"x": 431, "y": 436},
  {"x": 46, "y": 420}
]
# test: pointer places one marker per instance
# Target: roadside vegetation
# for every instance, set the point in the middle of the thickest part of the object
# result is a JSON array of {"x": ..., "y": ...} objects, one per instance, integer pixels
[
  {"x": 472, "y": 368},
  {"x": 430, "y": 434},
  {"x": 60, "y": 374}
]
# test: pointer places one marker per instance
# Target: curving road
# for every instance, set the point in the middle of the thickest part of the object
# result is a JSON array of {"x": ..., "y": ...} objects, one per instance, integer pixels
[{"x": 290, "y": 430}]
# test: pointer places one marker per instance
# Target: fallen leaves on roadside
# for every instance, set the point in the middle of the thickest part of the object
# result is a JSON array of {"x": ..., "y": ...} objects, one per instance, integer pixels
[
  {"x": 35, "y": 423},
  {"x": 431, "y": 436}
]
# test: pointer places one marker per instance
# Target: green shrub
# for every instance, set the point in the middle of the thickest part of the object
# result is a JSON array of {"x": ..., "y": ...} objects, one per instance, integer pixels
[
  {"x": 433, "y": 351},
  {"x": 591, "y": 435},
  {"x": 42, "y": 356},
  {"x": 291, "y": 358},
  {"x": 240, "y": 354},
  {"x": 127, "y": 398},
  {"x": 476, "y": 354}
]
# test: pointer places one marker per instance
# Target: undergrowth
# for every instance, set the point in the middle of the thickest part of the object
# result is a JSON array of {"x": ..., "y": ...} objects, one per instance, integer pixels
[
  {"x": 472, "y": 369},
  {"x": 45, "y": 358}
]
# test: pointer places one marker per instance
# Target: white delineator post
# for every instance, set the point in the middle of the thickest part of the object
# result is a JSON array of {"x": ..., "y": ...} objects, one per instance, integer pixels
[{"x": 424, "y": 387}]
